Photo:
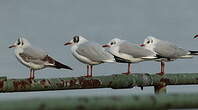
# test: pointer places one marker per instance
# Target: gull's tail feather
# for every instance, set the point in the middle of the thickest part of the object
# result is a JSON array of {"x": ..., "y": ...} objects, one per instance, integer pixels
[
  {"x": 59, "y": 65},
  {"x": 55, "y": 64},
  {"x": 193, "y": 52}
]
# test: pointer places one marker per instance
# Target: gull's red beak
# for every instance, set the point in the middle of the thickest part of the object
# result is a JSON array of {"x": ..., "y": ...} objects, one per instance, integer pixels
[
  {"x": 105, "y": 45},
  {"x": 12, "y": 46},
  {"x": 67, "y": 43},
  {"x": 141, "y": 45},
  {"x": 195, "y": 36}
]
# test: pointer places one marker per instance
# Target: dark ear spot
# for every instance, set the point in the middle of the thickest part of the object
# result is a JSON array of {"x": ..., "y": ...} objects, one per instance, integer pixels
[
  {"x": 151, "y": 41},
  {"x": 76, "y": 39},
  {"x": 18, "y": 43}
]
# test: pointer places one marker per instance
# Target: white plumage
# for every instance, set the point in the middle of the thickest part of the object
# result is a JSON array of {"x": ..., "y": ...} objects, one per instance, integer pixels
[
  {"x": 34, "y": 58},
  {"x": 89, "y": 53}
]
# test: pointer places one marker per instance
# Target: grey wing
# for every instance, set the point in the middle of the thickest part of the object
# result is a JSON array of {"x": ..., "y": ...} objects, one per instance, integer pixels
[
  {"x": 167, "y": 49},
  {"x": 134, "y": 50},
  {"x": 33, "y": 55},
  {"x": 94, "y": 52}
]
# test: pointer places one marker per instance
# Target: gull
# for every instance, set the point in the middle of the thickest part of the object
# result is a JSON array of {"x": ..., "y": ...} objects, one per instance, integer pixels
[
  {"x": 34, "y": 58},
  {"x": 89, "y": 53},
  {"x": 126, "y": 52},
  {"x": 167, "y": 50}
]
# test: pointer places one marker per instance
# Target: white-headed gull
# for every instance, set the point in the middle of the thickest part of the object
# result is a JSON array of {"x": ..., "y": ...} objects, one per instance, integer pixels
[
  {"x": 126, "y": 52},
  {"x": 168, "y": 51},
  {"x": 90, "y": 53},
  {"x": 34, "y": 58}
]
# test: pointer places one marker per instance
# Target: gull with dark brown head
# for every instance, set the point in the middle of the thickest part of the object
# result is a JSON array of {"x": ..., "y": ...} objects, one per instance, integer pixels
[
  {"x": 89, "y": 53},
  {"x": 34, "y": 58},
  {"x": 126, "y": 52},
  {"x": 167, "y": 50}
]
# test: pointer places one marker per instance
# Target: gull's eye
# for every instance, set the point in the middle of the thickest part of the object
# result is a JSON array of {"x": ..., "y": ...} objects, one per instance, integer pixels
[
  {"x": 148, "y": 42},
  {"x": 76, "y": 39},
  {"x": 111, "y": 43},
  {"x": 18, "y": 42}
]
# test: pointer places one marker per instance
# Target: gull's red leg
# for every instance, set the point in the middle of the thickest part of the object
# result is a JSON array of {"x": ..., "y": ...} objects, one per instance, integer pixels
[
  {"x": 91, "y": 70},
  {"x": 30, "y": 74},
  {"x": 88, "y": 68},
  {"x": 129, "y": 69},
  {"x": 33, "y": 74},
  {"x": 162, "y": 68}
]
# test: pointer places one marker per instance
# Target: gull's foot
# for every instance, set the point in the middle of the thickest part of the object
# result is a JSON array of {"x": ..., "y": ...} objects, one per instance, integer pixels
[
  {"x": 88, "y": 76},
  {"x": 126, "y": 73},
  {"x": 30, "y": 79},
  {"x": 160, "y": 73}
]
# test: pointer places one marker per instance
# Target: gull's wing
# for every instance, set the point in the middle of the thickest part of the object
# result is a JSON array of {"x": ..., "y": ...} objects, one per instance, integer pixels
[
  {"x": 94, "y": 52},
  {"x": 33, "y": 55},
  {"x": 169, "y": 50},
  {"x": 40, "y": 57},
  {"x": 135, "y": 50}
]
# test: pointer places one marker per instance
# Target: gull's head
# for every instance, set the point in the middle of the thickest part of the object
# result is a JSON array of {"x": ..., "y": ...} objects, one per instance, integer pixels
[
  {"x": 149, "y": 42},
  {"x": 195, "y": 36},
  {"x": 20, "y": 43},
  {"x": 113, "y": 42},
  {"x": 76, "y": 40}
]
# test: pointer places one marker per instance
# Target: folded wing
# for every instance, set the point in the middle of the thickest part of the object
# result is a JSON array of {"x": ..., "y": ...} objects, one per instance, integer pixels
[
  {"x": 135, "y": 51},
  {"x": 169, "y": 50},
  {"x": 94, "y": 52}
]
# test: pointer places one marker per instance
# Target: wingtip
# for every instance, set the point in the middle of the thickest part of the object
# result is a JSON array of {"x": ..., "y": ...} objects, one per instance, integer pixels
[
  {"x": 60, "y": 65},
  {"x": 193, "y": 52},
  {"x": 67, "y": 67},
  {"x": 70, "y": 68}
]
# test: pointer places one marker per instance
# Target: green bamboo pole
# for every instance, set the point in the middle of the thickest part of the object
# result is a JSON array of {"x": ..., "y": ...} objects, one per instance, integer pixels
[
  {"x": 143, "y": 102},
  {"x": 118, "y": 81}
]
